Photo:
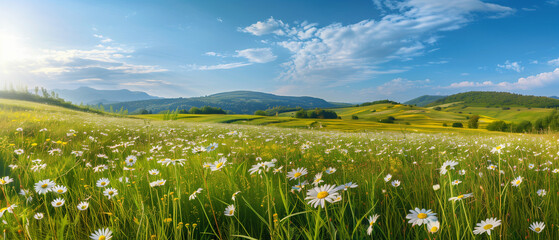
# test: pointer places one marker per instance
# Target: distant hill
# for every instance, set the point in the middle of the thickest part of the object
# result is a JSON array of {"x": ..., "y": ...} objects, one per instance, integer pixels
[
  {"x": 555, "y": 97},
  {"x": 498, "y": 99},
  {"x": 424, "y": 100},
  {"x": 91, "y": 96},
  {"x": 240, "y": 102}
]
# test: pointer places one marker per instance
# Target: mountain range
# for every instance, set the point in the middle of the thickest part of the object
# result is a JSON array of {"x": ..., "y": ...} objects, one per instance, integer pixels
[
  {"x": 240, "y": 102},
  {"x": 247, "y": 102},
  {"x": 91, "y": 96}
]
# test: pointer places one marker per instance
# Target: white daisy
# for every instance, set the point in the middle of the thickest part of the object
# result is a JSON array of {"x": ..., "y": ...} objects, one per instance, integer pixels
[
  {"x": 542, "y": 192},
  {"x": 436, "y": 187},
  {"x": 230, "y": 210},
  {"x": 59, "y": 189},
  {"x": 193, "y": 195},
  {"x": 516, "y": 182},
  {"x": 497, "y": 149},
  {"x": 297, "y": 173},
  {"x": 44, "y": 186},
  {"x": 421, "y": 216},
  {"x": 212, "y": 147},
  {"x": 330, "y": 170},
  {"x": 158, "y": 183},
  {"x": 218, "y": 165},
  {"x": 372, "y": 220},
  {"x": 102, "y": 234},
  {"x": 317, "y": 179},
  {"x": 433, "y": 227},
  {"x": 59, "y": 202},
  {"x": 319, "y": 195},
  {"x": 460, "y": 197},
  {"x": 537, "y": 227},
  {"x": 388, "y": 177},
  {"x": 153, "y": 172},
  {"x": 110, "y": 192},
  {"x": 103, "y": 182},
  {"x": 235, "y": 195},
  {"x": 447, "y": 166},
  {"x": 395, "y": 183},
  {"x": 5, "y": 180},
  {"x": 131, "y": 160},
  {"x": 38, "y": 216},
  {"x": 346, "y": 186},
  {"x": 486, "y": 226},
  {"x": 83, "y": 206}
]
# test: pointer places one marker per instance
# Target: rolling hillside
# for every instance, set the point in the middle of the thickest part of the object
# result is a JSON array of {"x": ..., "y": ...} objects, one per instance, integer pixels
[
  {"x": 424, "y": 100},
  {"x": 240, "y": 102},
  {"x": 497, "y": 99}
]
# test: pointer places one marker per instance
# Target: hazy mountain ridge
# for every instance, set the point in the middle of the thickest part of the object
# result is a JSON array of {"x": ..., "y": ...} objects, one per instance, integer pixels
[
  {"x": 241, "y": 102},
  {"x": 91, "y": 96}
]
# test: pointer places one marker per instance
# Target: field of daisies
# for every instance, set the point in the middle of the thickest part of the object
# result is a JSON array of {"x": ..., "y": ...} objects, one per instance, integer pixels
[{"x": 69, "y": 175}]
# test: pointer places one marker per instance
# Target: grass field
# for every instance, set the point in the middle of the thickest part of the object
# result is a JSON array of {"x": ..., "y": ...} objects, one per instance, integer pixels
[{"x": 193, "y": 178}]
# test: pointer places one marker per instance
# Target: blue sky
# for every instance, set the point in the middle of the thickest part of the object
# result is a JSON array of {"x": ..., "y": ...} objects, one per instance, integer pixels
[{"x": 347, "y": 51}]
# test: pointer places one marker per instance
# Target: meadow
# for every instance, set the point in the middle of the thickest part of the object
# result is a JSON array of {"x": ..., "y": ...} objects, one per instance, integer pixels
[{"x": 74, "y": 175}]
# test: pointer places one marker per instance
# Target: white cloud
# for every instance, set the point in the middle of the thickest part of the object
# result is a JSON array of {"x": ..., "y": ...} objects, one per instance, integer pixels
[
  {"x": 525, "y": 83},
  {"x": 149, "y": 82},
  {"x": 515, "y": 66},
  {"x": 218, "y": 66},
  {"x": 394, "y": 86},
  {"x": 269, "y": 26},
  {"x": 257, "y": 55},
  {"x": 89, "y": 80},
  {"x": 344, "y": 53},
  {"x": 554, "y": 62},
  {"x": 220, "y": 20},
  {"x": 466, "y": 84},
  {"x": 102, "y": 65}
]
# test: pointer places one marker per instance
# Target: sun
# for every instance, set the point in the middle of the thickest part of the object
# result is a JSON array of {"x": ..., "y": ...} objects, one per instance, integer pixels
[{"x": 11, "y": 48}]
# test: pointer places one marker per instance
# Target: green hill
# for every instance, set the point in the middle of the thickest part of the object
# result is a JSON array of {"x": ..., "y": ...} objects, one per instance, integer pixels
[
  {"x": 497, "y": 99},
  {"x": 424, "y": 100},
  {"x": 240, "y": 102},
  {"x": 91, "y": 96}
]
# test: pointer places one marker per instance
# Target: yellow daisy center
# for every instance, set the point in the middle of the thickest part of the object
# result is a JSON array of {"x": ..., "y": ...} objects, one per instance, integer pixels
[
  {"x": 44, "y": 185},
  {"x": 131, "y": 160},
  {"x": 102, "y": 237},
  {"x": 434, "y": 229},
  {"x": 83, "y": 207},
  {"x": 538, "y": 229},
  {"x": 487, "y": 227},
  {"x": 231, "y": 212},
  {"x": 498, "y": 147},
  {"x": 219, "y": 165},
  {"x": 2, "y": 181},
  {"x": 517, "y": 182},
  {"x": 58, "y": 203},
  {"x": 111, "y": 192},
  {"x": 297, "y": 174},
  {"x": 421, "y": 215},
  {"x": 161, "y": 183},
  {"x": 322, "y": 195},
  {"x": 60, "y": 191},
  {"x": 459, "y": 197}
]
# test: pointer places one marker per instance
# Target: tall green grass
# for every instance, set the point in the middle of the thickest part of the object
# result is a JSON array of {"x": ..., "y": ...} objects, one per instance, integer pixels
[{"x": 266, "y": 207}]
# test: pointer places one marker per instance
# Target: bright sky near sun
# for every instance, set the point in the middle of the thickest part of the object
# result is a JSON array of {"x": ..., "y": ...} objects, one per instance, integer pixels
[{"x": 348, "y": 51}]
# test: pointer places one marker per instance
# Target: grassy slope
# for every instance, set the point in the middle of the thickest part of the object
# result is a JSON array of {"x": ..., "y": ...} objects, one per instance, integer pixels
[{"x": 515, "y": 114}]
